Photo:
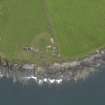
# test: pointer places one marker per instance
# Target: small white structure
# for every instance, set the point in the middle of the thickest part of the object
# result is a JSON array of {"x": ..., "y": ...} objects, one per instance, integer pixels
[{"x": 52, "y": 40}]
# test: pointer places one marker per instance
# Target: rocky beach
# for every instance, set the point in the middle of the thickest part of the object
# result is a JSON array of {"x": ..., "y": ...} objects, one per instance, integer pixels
[{"x": 56, "y": 73}]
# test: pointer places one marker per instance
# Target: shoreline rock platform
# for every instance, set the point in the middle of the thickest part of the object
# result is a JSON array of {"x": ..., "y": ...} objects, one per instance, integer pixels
[{"x": 56, "y": 73}]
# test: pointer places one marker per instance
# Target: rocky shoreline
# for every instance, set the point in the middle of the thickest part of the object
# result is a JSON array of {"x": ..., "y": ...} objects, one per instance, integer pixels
[{"x": 56, "y": 73}]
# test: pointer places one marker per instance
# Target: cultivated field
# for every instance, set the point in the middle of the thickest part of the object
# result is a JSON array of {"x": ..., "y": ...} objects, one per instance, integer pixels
[{"x": 40, "y": 31}]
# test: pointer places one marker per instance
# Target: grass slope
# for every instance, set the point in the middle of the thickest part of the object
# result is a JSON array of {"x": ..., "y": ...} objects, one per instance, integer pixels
[
  {"x": 78, "y": 27},
  {"x": 79, "y": 24},
  {"x": 23, "y": 21}
]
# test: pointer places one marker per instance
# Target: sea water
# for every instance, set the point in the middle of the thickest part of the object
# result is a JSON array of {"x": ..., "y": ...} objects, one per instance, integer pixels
[{"x": 85, "y": 92}]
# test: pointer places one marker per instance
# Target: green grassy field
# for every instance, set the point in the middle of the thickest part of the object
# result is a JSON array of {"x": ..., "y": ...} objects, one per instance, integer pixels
[{"x": 77, "y": 26}]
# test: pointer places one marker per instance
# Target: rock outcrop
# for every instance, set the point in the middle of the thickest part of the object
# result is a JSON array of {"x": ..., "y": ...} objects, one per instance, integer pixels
[{"x": 54, "y": 73}]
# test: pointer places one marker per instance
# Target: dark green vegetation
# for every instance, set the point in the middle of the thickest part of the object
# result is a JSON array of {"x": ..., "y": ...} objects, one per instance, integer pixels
[{"x": 77, "y": 26}]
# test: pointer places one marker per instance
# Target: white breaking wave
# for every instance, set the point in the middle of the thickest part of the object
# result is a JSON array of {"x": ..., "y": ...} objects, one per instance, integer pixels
[{"x": 44, "y": 80}]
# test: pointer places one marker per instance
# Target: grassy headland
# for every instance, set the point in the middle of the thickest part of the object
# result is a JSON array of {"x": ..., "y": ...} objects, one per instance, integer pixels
[{"x": 77, "y": 28}]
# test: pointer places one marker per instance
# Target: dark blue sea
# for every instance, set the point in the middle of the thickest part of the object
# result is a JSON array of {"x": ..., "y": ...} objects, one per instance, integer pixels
[{"x": 85, "y": 92}]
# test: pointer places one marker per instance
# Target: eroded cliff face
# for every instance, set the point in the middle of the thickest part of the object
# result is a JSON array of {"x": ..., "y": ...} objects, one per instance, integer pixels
[{"x": 56, "y": 73}]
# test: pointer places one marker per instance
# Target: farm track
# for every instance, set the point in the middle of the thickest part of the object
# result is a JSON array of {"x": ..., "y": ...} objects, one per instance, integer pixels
[{"x": 51, "y": 29}]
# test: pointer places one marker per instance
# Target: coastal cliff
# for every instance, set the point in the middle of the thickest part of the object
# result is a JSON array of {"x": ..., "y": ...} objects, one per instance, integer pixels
[{"x": 56, "y": 73}]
